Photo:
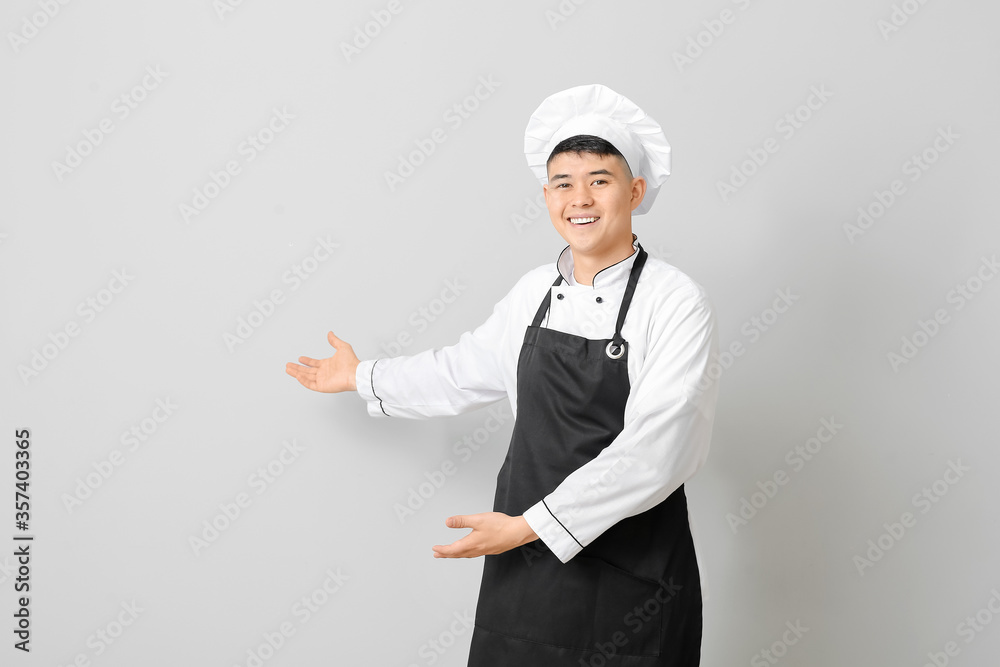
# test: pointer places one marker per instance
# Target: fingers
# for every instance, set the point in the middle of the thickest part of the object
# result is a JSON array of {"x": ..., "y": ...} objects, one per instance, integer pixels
[
  {"x": 305, "y": 376},
  {"x": 329, "y": 375},
  {"x": 339, "y": 344},
  {"x": 462, "y": 548},
  {"x": 295, "y": 370},
  {"x": 492, "y": 533}
]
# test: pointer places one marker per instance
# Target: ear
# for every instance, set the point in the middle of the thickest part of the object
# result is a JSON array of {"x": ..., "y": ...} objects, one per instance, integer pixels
[{"x": 638, "y": 191}]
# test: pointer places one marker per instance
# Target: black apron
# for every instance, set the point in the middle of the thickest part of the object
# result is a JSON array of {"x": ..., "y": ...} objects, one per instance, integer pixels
[{"x": 631, "y": 598}]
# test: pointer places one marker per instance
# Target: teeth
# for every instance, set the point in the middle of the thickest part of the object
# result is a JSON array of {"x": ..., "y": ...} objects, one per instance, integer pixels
[{"x": 582, "y": 221}]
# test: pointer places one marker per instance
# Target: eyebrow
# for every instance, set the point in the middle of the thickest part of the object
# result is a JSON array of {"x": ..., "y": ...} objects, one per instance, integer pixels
[{"x": 599, "y": 172}]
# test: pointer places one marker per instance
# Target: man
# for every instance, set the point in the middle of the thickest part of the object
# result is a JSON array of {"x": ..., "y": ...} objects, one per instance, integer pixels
[{"x": 604, "y": 357}]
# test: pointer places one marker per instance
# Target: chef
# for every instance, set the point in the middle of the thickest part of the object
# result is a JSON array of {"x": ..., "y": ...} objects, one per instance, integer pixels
[{"x": 604, "y": 356}]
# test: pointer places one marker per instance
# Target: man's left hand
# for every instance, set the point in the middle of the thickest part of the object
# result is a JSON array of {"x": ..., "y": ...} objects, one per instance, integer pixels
[{"x": 492, "y": 533}]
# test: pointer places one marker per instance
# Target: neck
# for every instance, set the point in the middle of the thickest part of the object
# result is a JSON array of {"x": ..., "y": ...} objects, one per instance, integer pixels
[{"x": 586, "y": 266}]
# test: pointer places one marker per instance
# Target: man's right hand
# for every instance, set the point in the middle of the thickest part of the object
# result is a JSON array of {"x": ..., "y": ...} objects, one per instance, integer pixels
[{"x": 329, "y": 375}]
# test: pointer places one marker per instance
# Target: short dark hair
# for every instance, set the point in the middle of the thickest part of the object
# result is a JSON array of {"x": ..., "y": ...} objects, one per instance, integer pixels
[{"x": 587, "y": 143}]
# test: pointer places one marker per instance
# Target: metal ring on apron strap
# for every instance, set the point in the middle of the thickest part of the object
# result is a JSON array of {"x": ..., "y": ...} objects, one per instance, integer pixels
[{"x": 613, "y": 355}]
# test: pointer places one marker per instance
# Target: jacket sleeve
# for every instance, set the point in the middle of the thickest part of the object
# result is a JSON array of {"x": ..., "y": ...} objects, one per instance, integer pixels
[
  {"x": 444, "y": 381},
  {"x": 665, "y": 439}
]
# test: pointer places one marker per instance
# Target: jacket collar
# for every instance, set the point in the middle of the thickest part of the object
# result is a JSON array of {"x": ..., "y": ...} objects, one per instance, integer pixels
[{"x": 610, "y": 276}]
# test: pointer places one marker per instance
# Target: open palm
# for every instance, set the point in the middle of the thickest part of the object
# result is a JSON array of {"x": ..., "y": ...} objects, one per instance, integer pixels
[{"x": 329, "y": 375}]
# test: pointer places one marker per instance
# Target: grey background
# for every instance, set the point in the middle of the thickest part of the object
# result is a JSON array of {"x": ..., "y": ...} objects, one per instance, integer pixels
[{"x": 465, "y": 215}]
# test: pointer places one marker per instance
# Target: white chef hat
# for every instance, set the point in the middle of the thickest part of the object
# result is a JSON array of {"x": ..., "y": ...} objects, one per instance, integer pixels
[{"x": 599, "y": 111}]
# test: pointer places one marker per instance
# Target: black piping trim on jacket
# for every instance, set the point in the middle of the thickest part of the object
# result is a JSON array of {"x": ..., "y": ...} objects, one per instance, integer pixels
[
  {"x": 634, "y": 251},
  {"x": 561, "y": 523},
  {"x": 371, "y": 381},
  {"x": 635, "y": 247}
]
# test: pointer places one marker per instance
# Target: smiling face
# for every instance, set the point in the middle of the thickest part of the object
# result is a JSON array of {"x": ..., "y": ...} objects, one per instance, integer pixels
[{"x": 590, "y": 199}]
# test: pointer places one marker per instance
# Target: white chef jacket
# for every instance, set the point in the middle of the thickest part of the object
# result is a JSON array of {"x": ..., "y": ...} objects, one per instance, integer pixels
[{"x": 671, "y": 333}]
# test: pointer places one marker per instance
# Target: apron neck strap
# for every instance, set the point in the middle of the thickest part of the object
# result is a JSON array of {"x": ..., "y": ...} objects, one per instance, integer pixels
[
  {"x": 633, "y": 279},
  {"x": 544, "y": 306}
]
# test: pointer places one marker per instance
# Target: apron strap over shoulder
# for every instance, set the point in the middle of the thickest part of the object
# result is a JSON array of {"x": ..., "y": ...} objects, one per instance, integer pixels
[
  {"x": 615, "y": 347},
  {"x": 544, "y": 306}
]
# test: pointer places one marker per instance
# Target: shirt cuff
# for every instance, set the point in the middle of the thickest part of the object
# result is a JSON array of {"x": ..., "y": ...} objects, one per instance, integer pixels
[
  {"x": 552, "y": 532},
  {"x": 366, "y": 389}
]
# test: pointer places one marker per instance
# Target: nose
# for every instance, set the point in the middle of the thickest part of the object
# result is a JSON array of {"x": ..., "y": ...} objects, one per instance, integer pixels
[{"x": 582, "y": 197}]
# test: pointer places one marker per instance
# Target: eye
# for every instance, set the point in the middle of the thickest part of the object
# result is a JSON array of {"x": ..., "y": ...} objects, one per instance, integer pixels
[
  {"x": 600, "y": 180},
  {"x": 562, "y": 185}
]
